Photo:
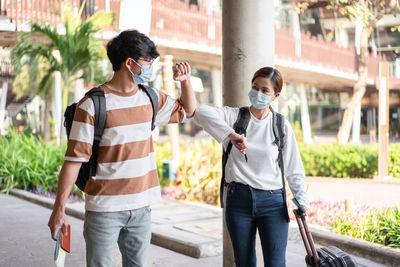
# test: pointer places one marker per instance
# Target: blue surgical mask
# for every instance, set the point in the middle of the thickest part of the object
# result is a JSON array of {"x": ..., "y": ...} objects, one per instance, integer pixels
[
  {"x": 258, "y": 99},
  {"x": 145, "y": 74}
]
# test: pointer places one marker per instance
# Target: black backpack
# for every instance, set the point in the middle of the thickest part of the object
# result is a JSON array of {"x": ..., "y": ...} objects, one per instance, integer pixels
[
  {"x": 240, "y": 126},
  {"x": 97, "y": 95}
]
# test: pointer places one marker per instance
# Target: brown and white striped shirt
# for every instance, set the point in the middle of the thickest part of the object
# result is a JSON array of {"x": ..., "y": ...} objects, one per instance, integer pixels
[{"x": 126, "y": 176}]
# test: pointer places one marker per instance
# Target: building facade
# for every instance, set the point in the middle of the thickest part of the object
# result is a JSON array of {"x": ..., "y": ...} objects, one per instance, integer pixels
[{"x": 316, "y": 71}]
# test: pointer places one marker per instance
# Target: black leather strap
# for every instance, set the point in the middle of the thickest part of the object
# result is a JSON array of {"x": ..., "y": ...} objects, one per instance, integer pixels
[
  {"x": 154, "y": 102},
  {"x": 239, "y": 127},
  {"x": 99, "y": 101}
]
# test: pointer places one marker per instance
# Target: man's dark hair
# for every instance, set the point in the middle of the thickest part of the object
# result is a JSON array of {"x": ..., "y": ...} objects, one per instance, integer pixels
[{"x": 132, "y": 44}]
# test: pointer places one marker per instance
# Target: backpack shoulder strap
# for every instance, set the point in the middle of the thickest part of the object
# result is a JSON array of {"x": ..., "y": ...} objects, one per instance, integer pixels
[
  {"x": 154, "y": 101},
  {"x": 278, "y": 128},
  {"x": 239, "y": 127},
  {"x": 242, "y": 120},
  {"x": 278, "y": 122},
  {"x": 99, "y": 101}
]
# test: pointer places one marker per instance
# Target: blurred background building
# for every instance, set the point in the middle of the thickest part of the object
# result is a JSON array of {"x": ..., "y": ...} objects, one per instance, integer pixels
[{"x": 315, "y": 51}]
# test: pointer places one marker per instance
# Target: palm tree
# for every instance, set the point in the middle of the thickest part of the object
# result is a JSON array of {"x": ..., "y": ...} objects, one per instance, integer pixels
[{"x": 79, "y": 50}]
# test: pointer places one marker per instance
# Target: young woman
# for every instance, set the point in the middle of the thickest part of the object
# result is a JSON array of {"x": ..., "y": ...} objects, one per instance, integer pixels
[{"x": 254, "y": 198}]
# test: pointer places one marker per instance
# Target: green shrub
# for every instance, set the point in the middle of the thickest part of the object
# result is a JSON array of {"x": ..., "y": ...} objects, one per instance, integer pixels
[
  {"x": 335, "y": 160},
  {"x": 382, "y": 227},
  {"x": 394, "y": 160},
  {"x": 27, "y": 163}
]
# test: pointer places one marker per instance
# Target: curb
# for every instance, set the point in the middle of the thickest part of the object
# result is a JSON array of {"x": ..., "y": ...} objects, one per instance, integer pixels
[
  {"x": 371, "y": 251},
  {"x": 185, "y": 247}
]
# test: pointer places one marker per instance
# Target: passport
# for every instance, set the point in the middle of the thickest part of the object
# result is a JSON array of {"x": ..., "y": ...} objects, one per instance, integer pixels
[
  {"x": 63, "y": 244},
  {"x": 66, "y": 240}
]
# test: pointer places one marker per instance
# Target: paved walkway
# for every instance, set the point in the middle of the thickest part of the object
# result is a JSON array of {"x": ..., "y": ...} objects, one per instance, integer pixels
[
  {"x": 189, "y": 228},
  {"x": 25, "y": 240},
  {"x": 358, "y": 191}
]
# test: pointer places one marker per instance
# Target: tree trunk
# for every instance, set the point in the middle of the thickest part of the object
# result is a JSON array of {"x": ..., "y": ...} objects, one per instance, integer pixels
[
  {"x": 46, "y": 135},
  {"x": 358, "y": 90}
]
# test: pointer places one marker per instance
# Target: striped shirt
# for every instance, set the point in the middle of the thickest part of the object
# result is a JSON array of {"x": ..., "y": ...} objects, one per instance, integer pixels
[{"x": 126, "y": 176}]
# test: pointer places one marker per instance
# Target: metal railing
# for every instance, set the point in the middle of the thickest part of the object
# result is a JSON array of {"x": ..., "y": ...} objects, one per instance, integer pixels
[{"x": 24, "y": 11}]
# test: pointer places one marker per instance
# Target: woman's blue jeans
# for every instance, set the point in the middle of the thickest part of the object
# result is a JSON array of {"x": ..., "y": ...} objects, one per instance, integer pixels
[{"x": 249, "y": 209}]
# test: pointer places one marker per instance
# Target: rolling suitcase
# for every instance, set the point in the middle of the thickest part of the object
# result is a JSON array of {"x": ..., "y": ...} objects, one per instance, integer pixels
[{"x": 330, "y": 256}]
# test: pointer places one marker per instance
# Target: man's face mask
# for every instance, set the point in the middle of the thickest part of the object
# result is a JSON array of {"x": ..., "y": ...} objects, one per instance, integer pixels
[{"x": 145, "y": 73}]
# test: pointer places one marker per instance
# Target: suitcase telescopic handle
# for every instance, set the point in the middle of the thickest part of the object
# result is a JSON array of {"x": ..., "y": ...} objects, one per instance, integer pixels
[{"x": 306, "y": 236}]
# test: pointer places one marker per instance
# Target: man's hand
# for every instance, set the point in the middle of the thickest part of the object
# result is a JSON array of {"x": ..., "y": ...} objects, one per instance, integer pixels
[
  {"x": 239, "y": 141},
  {"x": 181, "y": 71},
  {"x": 57, "y": 220},
  {"x": 66, "y": 180}
]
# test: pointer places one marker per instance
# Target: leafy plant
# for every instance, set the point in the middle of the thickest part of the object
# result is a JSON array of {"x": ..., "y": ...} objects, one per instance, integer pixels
[
  {"x": 27, "y": 163},
  {"x": 382, "y": 227},
  {"x": 394, "y": 160},
  {"x": 336, "y": 160},
  {"x": 76, "y": 54},
  {"x": 199, "y": 173}
]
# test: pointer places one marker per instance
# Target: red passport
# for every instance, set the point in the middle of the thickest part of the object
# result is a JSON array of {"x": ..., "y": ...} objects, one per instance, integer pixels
[{"x": 66, "y": 240}]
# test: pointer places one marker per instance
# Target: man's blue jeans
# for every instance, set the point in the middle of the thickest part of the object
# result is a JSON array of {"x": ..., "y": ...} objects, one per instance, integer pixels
[
  {"x": 131, "y": 229},
  {"x": 249, "y": 209}
]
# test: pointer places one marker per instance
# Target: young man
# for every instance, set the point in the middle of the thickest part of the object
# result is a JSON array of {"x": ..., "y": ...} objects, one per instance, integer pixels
[{"x": 126, "y": 183}]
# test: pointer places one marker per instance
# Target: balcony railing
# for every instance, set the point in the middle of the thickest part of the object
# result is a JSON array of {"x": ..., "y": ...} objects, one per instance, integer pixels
[
  {"x": 27, "y": 11},
  {"x": 176, "y": 20},
  {"x": 179, "y": 21}
]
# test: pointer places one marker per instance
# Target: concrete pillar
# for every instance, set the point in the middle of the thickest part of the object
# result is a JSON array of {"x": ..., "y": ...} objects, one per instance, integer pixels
[
  {"x": 355, "y": 135},
  {"x": 248, "y": 43},
  {"x": 383, "y": 158},
  {"x": 79, "y": 89},
  {"x": 320, "y": 118},
  {"x": 305, "y": 117},
  {"x": 296, "y": 31},
  {"x": 107, "y": 5},
  {"x": 58, "y": 106},
  {"x": 58, "y": 100},
  {"x": 216, "y": 79},
  {"x": 3, "y": 102},
  {"x": 169, "y": 88}
]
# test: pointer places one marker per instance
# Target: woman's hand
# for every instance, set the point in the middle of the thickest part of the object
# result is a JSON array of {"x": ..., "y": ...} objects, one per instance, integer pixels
[
  {"x": 239, "y": 141},
  {"x": 305, "y": 209}
]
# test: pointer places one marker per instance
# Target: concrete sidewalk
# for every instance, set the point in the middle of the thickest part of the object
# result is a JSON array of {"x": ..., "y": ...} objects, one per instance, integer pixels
[
  {"x": 25, "y": 240},
  {"x": 187, "y": 228}
]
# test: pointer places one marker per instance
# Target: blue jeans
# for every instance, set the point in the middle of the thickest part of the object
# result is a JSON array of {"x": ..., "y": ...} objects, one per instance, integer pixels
[
  {"x": 249, "y": 209},
  {"x": 131, "y": 229}
]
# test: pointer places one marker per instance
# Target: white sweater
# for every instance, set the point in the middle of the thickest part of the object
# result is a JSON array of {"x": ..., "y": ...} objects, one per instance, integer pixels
[{"x": 262, "y": 170}]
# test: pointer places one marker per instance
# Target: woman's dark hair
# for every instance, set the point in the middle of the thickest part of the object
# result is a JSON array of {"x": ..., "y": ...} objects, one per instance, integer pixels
[
  {"x": 270, "y": 73},
  {"x": 132, "y": 44}
]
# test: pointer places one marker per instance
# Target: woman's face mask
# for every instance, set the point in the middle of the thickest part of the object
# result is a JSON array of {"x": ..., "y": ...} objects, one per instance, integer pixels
[
  {"x": 258, "y": 99},
  {"x": 145, "y": 73}
]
